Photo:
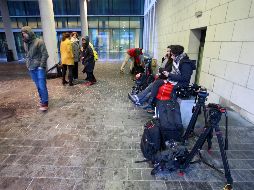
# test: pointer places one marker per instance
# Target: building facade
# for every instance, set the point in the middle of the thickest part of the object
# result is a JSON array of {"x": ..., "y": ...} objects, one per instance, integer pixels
[{"x": 113, "y": 25}]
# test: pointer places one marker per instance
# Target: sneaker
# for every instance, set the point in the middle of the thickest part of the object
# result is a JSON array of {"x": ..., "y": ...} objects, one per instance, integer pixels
[
  {"x": 43, "y": 107},
  {"x": 133, "y": 98},
  {"x": 71, "y": 84}
]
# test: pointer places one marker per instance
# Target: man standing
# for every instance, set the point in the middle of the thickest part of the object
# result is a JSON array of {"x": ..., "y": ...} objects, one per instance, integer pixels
[{"x": 36, "y": 62}]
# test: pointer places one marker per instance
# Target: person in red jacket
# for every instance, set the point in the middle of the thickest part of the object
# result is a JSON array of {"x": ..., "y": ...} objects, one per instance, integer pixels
[{"x": 135, "y": 55}]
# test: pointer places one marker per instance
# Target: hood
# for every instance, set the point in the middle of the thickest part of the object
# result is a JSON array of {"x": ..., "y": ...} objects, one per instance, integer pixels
[
  {"x": 29, "y": 31},
  {"x": 187, "y": 60},
  {"x": 87, "y": 41}
]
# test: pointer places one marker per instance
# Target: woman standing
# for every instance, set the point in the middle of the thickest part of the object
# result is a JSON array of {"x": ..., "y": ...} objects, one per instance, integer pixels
[
  {"x": 67, "y": 58},
  {"x": 88, "y": 61}
]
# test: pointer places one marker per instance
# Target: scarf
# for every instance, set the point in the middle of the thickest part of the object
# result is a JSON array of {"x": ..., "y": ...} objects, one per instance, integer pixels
[{"x": 175, "y": 66}]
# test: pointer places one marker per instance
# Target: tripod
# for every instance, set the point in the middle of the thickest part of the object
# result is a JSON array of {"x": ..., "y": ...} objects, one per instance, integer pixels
[
  {"x": 201, "y": 96},
  {"x": 214, "y": 117}
]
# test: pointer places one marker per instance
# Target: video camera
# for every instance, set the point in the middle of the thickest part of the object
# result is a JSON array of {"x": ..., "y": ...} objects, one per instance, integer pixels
[{"x": 190, "y": 91}]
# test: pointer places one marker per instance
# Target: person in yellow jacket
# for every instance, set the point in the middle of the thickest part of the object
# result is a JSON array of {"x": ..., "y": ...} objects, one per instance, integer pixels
[{"x": 67, "y": 58}]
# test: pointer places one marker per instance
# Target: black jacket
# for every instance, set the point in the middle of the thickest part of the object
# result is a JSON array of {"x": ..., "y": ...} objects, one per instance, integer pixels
[
  {"x": 186, "y": 67},
  {"x": 88, "y": 60}
]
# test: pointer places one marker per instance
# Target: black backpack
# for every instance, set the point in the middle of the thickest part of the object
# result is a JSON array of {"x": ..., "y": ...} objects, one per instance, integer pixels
[
  {"x": 169, "y": 115},
  {"x": 150, "y": 142},
  {"x": 170, "y": 160}
]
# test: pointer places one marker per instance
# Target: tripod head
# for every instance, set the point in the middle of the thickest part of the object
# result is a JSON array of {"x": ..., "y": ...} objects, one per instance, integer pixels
[
  {"x": 202, "y": 95},
  {"x": 214, "y": 113}
]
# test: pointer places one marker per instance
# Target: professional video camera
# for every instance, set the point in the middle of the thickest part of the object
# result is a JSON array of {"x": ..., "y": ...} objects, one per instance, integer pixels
[{"x": 188, "y": 91}]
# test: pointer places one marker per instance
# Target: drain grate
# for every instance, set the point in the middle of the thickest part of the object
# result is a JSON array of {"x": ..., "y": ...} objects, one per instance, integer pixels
[{"x": 6, "y": 113}]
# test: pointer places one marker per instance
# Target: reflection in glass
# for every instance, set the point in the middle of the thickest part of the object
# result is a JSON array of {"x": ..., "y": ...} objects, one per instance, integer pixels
[
  {"x": 32, "y": 22},
  {"x": 135, "y": 22},
  {"x": 92, "y": 22},
  {"x": 114, "y": 22},
  {"x": 103, "y": 22},
  {"x": 14, "y": 23},
  {"x": 72, "y": 22},
  {"x": 21, "y": 22}
]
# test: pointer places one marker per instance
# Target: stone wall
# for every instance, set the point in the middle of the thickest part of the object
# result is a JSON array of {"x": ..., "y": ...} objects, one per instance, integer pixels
[{"x": 228, "y": 59}]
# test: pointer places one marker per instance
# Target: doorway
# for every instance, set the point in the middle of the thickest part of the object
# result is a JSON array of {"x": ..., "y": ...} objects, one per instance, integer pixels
[{"x": 196, "y": 49}]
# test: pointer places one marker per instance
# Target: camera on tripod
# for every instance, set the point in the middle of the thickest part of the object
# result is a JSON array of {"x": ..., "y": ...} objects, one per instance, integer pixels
[
  {"x": 202, "y": 93},
  {"x": 191, "y": 91},
  {"x": 215, "y": 112}
]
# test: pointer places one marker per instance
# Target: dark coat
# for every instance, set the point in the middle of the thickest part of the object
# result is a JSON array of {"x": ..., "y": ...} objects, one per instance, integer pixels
[
  {"x": 88, "y": 60},
  {"x": 186, "y": 68}
]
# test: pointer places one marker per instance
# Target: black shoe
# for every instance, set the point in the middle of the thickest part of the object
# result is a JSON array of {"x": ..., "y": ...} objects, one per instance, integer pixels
[
  {"x": 64, "y": 82},
  {"x": 71, "y": 84}
]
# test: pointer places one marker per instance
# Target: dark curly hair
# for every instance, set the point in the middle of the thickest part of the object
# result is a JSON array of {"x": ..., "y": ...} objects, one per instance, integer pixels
[{"x": 177, "y": 49}]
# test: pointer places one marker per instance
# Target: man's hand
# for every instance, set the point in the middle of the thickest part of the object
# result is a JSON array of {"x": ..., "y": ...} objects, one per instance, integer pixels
[{"x": 138, "y": 75}]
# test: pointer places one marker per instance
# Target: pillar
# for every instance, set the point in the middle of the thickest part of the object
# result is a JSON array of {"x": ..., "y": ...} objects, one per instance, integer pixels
[
  {"x": 49, "y": 31},
  {"x": 7, "y": 28},
  {"x": 83, "y": 17}
]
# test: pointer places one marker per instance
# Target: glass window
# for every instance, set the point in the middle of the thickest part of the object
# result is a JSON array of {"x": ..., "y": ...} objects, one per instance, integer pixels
[
  {"x": 61, "y": 22},
  {"x": 16, "y": 8},
  {"x": 114, "y": 22},
  {"x": 92, "y": 22},
  {"x": 103, "y": 7},
  {"x": 114, "y": 44},
  {"x": 103, "y": 22},
  {"x": 92, "y": 7},
  {"x": 39, "y": 22},
  {"x": 21, "y": 22},
  {"x": 32, "y": 22},
  {"x": 79, "y": 22},
  {"x": 59, "y": 7},
  {"x": 135, "y": 38},
  {"x": 3, "y": 45},
  {"x": 124, "y": 40},
  {"x": 32, "y": 8},
  {"x": 1, "y": 23},
  {"x": 121, "y": 7},
  {"x": 72, "y": 22},
  {"x": 94, "y": 39},
  {"x": 72, "y": 7},
  {"x": 14, "y": 23},
  {"x": 124, "y": 22},
  {"x": 135, "y": 22}
]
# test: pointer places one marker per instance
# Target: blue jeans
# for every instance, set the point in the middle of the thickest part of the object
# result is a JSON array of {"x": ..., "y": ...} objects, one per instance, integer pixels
[
  {"x": 39, "y": 77},
  {"x": 144, "y": 95}
]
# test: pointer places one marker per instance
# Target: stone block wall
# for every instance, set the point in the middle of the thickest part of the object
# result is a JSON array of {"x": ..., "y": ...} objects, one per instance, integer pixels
[{"x": 228, "y": 58}]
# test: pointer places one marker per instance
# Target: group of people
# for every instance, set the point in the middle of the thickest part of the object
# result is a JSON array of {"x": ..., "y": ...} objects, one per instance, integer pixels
[
  {"x": 176, "y": 70},
  {"x": 71, "y": 54}
]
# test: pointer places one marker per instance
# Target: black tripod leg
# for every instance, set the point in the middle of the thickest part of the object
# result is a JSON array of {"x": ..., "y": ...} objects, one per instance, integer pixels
[
  {"x": 192, "y": 123},
  {"x": 196, "y": 147},
  {"x": 223, "y": 155}
]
